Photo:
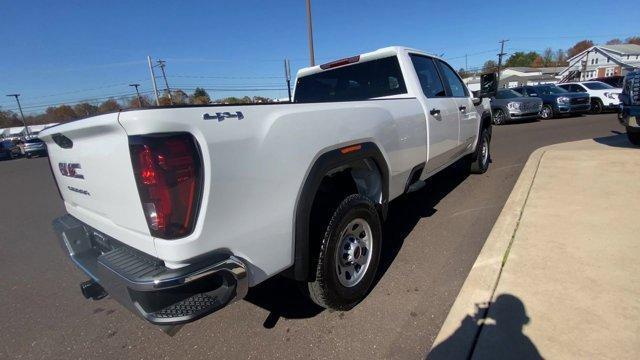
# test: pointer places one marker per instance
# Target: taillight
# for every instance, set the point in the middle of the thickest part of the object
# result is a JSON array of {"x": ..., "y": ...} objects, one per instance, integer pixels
[{"x": 168, "y": 171}]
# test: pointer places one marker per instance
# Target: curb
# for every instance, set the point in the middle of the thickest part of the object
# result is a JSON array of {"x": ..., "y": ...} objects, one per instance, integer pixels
[{"x": 484, "y": 275}]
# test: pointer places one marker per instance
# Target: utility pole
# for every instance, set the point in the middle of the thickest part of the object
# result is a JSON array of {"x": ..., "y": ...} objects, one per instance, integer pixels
[
  {"x": 466, "y": 63},
  {"x": 502, "y": 53},
  {"x": 153, "y": 81},
  {"x": 137, "y": 94},
  {"x": 166, "y": 83},
  {"x": 21, "y": 114},
  {"x": 312, "y": 60},
  {"x": 287, "y": 75}
]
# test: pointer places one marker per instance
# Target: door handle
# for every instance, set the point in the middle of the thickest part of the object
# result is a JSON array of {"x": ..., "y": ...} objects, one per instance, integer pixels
[
  {"x": 462, "y": 108},
  {"x": 434, "y": 112}
]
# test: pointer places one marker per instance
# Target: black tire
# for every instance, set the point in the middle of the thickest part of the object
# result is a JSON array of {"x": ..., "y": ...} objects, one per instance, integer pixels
[
  {"x": 633, "y": 135},
  {"x": 499, "y": 117},
  {"x": 479, "y": 160},
  {"x": 546, "y": 112},
  {"x": 596, "y": 106},
  {"x": 327, "y": 290}
]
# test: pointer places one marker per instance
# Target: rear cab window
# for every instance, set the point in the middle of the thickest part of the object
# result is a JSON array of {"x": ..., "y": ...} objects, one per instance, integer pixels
[
  {"x": 428, "y": 76},
  {"x": 360, "y": 81}
]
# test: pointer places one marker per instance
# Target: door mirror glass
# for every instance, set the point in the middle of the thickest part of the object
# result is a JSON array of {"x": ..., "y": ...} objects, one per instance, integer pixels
[
  {"x": 476, "y": 101},
  {"x": 488, "y": 85}
]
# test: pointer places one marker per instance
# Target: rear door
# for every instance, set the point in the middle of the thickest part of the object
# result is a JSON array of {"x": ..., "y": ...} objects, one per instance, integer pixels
[{"x": 441, "y": 110}]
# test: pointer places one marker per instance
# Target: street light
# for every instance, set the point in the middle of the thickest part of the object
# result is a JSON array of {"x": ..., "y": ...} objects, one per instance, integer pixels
[
  {"x": 137, "y": 94},
  {"x": 21, "y": 114}
]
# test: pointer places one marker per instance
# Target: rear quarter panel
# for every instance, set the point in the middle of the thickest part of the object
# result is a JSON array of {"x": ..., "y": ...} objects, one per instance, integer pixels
[{"x": 255, "y": 168}]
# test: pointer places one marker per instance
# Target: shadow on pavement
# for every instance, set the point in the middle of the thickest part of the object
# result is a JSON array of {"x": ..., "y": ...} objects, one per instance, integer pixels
[
  {"x": 618, "y": 140},
  {"x": 499, "y": 336},
  {"x": 283, "y": 298}
]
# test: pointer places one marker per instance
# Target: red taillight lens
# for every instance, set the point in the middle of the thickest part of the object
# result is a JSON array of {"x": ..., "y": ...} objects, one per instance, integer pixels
[{"x": 168, "y": 171}]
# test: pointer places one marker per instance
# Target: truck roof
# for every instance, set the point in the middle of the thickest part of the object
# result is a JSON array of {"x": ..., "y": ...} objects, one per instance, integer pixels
[{"x": 376, "y": 54}]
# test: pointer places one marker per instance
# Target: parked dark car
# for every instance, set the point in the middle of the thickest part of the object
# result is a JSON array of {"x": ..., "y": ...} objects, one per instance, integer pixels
[
  {"x": 34, "y": 147},
  {"x": 8, "y": 150},
  {"x": 509, "y": 105},
  {"x": 630, "y": 110},
  {"x": 615, "y": 81},
  {"x": 556, "y": 100}
]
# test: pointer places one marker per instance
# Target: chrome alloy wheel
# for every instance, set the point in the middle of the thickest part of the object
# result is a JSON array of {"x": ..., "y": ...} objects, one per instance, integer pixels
[{"x": 353, "y": 254}]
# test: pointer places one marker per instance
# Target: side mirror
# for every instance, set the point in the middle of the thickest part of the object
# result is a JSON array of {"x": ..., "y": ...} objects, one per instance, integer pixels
[
  {"x": 488, "y": 85},
  {"x": 476, "y": 101}
]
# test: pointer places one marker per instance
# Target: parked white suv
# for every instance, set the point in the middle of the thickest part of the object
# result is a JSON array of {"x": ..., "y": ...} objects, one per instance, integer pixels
[
  {"x": 603, "y": 96},
  {"x": 175, "y": 211}
]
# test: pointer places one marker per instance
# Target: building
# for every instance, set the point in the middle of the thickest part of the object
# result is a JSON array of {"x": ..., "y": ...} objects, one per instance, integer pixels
[
  {"x": 602, "y": 61},
  {"x": 519, "y": 76}
]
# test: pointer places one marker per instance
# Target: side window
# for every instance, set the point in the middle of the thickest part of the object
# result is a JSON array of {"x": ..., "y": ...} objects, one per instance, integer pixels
[
  {"x": 566, "y": 87},
  {"x": 455, "y": 84},
  {"x": 579, "y": 88},
  {"x": 531, "y": 91},
  {"x": 428, "y": 76}
]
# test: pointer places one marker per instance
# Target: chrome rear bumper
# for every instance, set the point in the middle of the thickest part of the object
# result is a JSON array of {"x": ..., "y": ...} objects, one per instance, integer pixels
[{"x": 142, "y": 283}]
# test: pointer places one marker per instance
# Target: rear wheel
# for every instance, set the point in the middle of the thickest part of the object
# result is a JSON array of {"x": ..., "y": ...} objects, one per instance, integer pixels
[
  {"x": 499, "y": 117},
  {"x": 633, "y": 135},
  {"x": 596, "y": 106},
  {"x": 349, "y": 255},
  {"x": 546, "y": 112},
  {"x": 481, "y": 158}
]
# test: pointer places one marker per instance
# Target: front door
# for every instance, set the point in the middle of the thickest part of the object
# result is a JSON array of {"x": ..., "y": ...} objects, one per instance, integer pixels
[{"x": 443, "y": 124}]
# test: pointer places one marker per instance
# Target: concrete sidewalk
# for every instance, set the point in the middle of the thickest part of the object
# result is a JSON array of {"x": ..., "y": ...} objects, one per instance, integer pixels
[{"x": 559, "y": 276}]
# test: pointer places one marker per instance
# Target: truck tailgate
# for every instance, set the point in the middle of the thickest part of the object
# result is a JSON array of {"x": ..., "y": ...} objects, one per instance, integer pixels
[{"x": 95, "y": 177}]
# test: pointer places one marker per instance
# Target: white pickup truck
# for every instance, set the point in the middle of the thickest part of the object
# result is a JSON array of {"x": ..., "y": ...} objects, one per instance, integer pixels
[{"x": 176, "y": 211}]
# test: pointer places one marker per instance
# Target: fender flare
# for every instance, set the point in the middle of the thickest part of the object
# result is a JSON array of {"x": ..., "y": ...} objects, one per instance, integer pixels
[{"x": 324, "y": 164}]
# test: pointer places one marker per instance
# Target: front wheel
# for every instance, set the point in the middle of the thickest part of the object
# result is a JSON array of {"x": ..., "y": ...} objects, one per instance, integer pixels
[
  {"x": 499, "y": 117},
  {"x": 546, "y": 112},
  {"x": 481, "y": 158},
  {"x": 596, "y": 106},
  {"x": 349, "y": 255},
  {"x": 633, "y": 135}
]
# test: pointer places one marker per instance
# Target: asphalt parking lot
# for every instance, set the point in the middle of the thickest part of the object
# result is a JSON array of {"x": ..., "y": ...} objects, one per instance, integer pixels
[{"x": 431, "y": 238}]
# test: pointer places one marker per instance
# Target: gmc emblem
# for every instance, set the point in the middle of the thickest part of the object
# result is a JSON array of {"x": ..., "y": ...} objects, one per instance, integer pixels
[{"x": 70, "y": 170}]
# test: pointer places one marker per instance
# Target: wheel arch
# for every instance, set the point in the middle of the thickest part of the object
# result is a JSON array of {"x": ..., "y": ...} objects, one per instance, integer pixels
[{"x": 369, "y": 172}]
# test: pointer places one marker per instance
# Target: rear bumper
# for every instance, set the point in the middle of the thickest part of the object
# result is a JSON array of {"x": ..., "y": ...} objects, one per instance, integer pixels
[{"x": 142, "y": 284}]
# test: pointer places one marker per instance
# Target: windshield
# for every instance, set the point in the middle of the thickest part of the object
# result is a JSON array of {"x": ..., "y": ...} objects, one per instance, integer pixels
[
  {"x": 549, "y": 89},
  {"x": 507, "y": 94},
  {"x": 597, "y": 85}
]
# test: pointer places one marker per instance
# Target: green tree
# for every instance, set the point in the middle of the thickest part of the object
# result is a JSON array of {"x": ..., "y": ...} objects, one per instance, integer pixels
[
  {"x": 489, "y": 66},
  {"x": 200, "y": 96},
  {"x": 521, "y": 58},
  {"x": 579, "y": 47}
]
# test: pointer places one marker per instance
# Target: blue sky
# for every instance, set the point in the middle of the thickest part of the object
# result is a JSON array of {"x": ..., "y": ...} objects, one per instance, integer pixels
[{"x": 64, "y": 51}]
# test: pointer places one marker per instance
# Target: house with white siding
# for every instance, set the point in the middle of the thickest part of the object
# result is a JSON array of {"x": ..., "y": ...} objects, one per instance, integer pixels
[{"x": 603, "y": 61}]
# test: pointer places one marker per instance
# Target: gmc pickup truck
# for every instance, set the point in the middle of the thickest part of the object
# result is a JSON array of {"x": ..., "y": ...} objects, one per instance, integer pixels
[{"x": 176, "y": 211}]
